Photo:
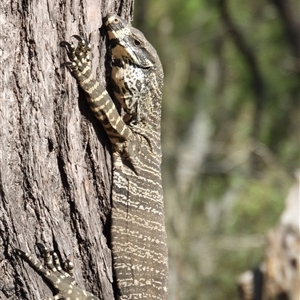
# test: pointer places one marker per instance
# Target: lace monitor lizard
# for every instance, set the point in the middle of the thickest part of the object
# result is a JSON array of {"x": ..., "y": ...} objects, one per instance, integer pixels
[{"x": 138, "y": 238}]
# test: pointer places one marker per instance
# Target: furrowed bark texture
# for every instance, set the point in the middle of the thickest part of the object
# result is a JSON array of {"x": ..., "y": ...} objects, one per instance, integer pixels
[{"x": 55, "y": 164}]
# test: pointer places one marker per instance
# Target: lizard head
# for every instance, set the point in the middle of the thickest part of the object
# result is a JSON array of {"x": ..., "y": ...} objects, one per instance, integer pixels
[
  {"x": 137, "y": 74},
  {"x": 130, "y": 43}
]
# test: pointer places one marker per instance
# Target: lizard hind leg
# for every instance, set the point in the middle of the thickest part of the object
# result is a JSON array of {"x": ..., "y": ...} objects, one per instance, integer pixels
[
  {"x": 33, "y": 262},
  {"x": 52, "y": 262}
]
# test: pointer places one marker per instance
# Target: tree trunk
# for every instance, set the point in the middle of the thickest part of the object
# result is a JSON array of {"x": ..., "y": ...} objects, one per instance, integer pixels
[{"x": 55, "y": 164}]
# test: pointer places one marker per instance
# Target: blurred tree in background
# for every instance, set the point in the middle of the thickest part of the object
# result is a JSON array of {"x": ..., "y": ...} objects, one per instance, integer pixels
[{"x": 230, "y": 135}]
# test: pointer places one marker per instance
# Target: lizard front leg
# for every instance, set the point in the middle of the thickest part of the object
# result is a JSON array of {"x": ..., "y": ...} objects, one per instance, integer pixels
[
  {"x": 98, "y": 98},
  {"x": 61, "y": 279}
]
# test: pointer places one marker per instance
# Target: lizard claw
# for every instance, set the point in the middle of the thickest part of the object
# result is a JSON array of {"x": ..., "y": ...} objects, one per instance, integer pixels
[
  {"x": 72, "y": 66},
  {"x": 66, "y": 45},
  {"x": 79, "y": 56},
  {"x": 84, "y": 47},
  {"x": 80, "y": 39}
]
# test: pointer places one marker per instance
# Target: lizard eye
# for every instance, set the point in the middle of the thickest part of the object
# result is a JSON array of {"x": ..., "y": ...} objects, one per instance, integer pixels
[{"x": 137, "y": 42}]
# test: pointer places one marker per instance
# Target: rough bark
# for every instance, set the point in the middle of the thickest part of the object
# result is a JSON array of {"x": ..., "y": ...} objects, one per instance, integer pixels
[{"x": 55, "y": 164}]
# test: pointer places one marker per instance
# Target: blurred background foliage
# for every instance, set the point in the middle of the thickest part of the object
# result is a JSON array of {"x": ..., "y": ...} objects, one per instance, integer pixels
[{"x": 230, "y": 132}]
